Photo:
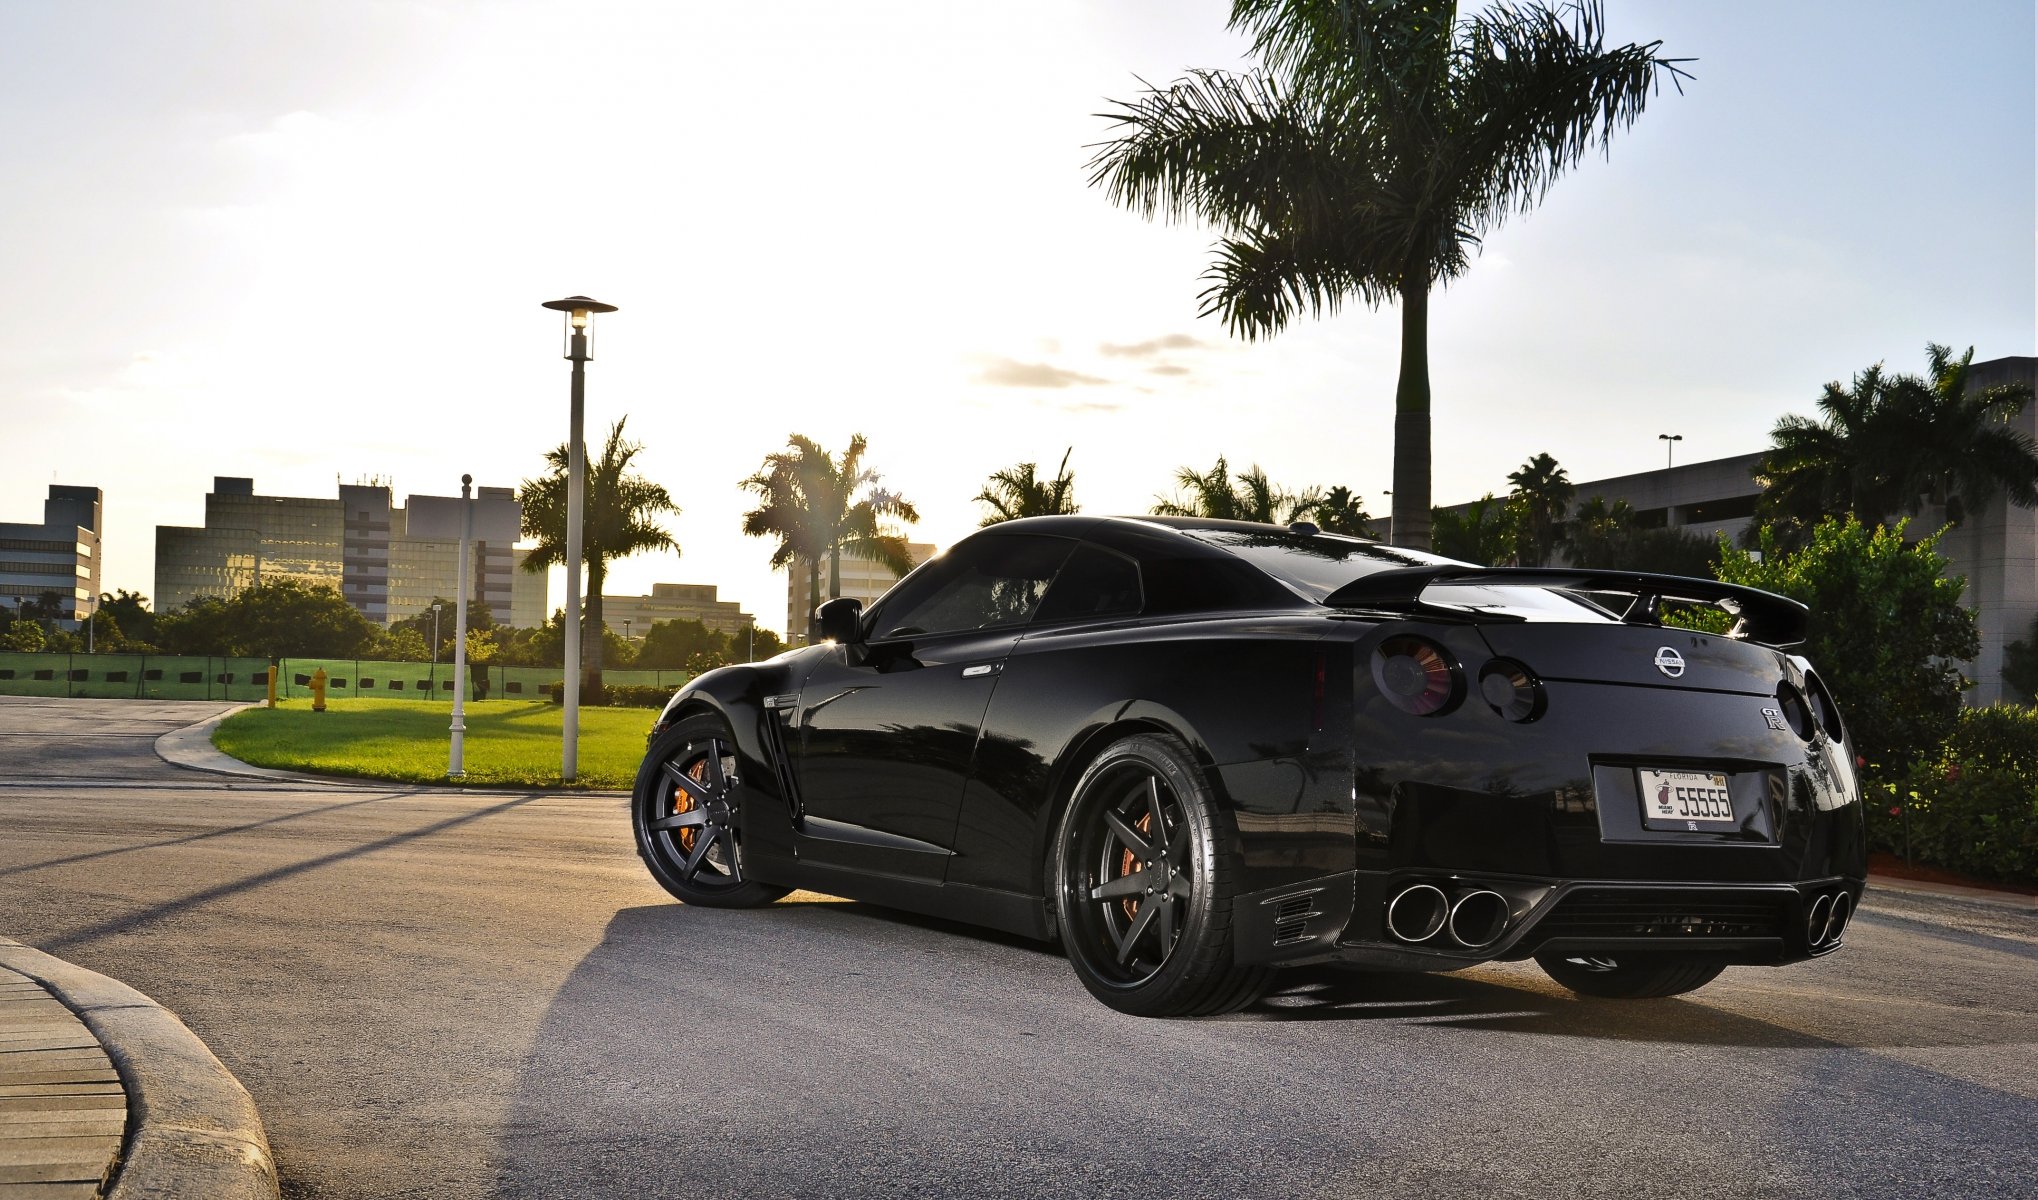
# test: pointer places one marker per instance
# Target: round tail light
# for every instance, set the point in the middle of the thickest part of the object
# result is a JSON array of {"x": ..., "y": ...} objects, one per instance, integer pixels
[
  {"x": 1511, "y": 690},
  {"x": 1829, "y": 712},
  {"x": 1795, "y": 711},
  {"x": 1417, "y": 676}
]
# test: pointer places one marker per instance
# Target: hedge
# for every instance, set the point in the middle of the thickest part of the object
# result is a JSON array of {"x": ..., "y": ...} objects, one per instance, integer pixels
[{"x": 1973, "y": 807}]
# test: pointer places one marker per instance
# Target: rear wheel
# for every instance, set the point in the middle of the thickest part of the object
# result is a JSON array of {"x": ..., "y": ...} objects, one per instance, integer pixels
[
  {"x": 1144, "y": 870},
  {"x": 687, "y": 810},
  {"x": 1624, "y": 978}
]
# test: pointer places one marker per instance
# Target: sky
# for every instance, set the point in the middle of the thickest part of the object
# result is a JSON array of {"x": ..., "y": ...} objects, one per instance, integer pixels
[{"x": 308, "y": 243}]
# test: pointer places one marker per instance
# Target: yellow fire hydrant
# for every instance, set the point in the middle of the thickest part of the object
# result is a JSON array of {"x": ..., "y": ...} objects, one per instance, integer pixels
[{"x": 318, "y": 690}]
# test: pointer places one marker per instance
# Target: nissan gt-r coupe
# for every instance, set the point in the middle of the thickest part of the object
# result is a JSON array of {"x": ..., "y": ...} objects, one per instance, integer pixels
[{"x": 1196, "y": 751}]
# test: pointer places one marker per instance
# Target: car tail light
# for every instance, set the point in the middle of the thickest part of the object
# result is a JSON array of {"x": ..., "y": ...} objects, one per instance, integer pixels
[
  {"x": 1417, "y": 676},
  {"x": 1796, "y": 712},
  {"x": 1512, "y": 690},
  {"x": 1828, "y": 711}
]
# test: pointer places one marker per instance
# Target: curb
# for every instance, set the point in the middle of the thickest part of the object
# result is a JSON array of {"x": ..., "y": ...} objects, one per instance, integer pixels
[
  {"x": 193, "y": 1132},
  {"x": 2014, "y": 901}
]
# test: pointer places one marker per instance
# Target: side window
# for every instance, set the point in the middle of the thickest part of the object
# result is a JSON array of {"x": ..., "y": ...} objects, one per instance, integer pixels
[
  {"x": 985, "y": 582},
  {"x": 1093, "y": 583},
  {"x": 1202, "y": 584}
]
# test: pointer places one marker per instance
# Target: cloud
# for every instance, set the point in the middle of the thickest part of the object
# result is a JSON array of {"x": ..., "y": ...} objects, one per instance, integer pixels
[
  {"x": 1167, "y": 369},
  {"x": 1173, "y": 341},
  {"x": 1007, "y": 372}
]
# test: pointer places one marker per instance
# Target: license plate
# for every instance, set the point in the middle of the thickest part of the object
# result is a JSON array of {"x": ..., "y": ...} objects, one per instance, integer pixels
[{"x": 1693, "y": 801}]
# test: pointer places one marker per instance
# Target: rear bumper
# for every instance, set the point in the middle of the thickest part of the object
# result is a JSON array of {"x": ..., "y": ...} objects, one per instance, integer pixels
[{"x": 1343, "y": 918}]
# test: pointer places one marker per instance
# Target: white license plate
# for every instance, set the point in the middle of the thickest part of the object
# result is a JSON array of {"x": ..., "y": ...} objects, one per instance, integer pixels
[{"x": 1687, "y": 800}]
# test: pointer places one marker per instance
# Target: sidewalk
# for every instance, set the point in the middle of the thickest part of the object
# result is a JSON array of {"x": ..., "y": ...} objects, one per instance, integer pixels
[{"x": 104, "y": 1092}]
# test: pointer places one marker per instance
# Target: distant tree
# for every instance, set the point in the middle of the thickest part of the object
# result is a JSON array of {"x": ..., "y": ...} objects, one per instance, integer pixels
[
  {"x": 1482, "y": 534},
  {"x": 130, "y": 611},
  {"x": 479, "y": 616},
  {"x": 1377, "y": 146},
  {"x": 2020, "y": 666},
  {"x": 620, "y": 514},
  {"x": 1887, "y": 631},
  {"x": 818, "y": 508},
  {"x": 1015, "y": 492},
  {"x": 1337, "y": 510},
  {"x": 481, "y": 647},
  {"x": 1249, "y": 497},
  {"x": 542, "y": 646},
  {"x": 1891, "y": 443},
  {"x": 1540, "y": 498},
  {"x": 668, "y": 645},
  {"x": 25, "y": 636},
  {"x": 403, "y": 643},
  {"x": 1610, "y": 535},
  {"x": 283, "y": 617}
]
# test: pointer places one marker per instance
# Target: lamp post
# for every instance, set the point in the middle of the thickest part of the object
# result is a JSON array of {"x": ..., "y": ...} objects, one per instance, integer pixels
[
  {"x": 579, "y": 312},
  {"x": 1669, "y": 441},
  {"x": 435, "y": 643},
  {"x": 456, "y": 765},
  {"x": 626, "y": 631},
  {"x": 1390, "y": 516}
]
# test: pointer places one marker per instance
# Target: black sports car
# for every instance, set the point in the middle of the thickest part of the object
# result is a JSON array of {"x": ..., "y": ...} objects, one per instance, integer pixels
[{"x": 1198, "y": 750}]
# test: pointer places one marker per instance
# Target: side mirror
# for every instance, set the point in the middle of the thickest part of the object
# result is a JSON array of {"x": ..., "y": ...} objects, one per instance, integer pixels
[{"x": 841, "y": 620}]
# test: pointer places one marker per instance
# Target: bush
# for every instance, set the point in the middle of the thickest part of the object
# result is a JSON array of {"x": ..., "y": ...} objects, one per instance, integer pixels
[
  {"x": 639, "y": 696},
  {"x": 1974, "y": 807}
]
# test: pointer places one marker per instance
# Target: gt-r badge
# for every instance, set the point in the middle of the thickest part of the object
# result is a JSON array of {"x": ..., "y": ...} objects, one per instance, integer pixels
[
  {"x": 1775, "y": 718},
  {"x": 1669, "y": 661}
]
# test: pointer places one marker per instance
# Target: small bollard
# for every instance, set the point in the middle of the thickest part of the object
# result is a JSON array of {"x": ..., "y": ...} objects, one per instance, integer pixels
[
  {"x": 272, "y": 682},
  {"x": 318, "y": 690}
]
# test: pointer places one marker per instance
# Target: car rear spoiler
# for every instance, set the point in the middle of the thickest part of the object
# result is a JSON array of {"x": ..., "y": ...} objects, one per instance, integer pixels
[{"x": 1760, "y": 616}]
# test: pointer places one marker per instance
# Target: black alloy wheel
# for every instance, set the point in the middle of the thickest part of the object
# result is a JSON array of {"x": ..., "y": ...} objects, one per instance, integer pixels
[
  {"x": 686, "y": 810},
  {"x": 1637, "y": 977},
  {"x": 1144, "y": 869}
]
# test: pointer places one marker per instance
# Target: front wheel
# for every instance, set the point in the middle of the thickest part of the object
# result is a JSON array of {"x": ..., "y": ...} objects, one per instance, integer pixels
[
  {"x": 1638, "y": 978},
  {"x": 687, "y": 812},
  {"x": 1144, "y": 874}
]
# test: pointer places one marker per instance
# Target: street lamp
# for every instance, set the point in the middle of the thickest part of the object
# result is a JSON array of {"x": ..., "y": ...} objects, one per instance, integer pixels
[
  {"x": 456, "y": 766},
  {"x": 435, "y": 641},
  {"x": 1390, "y": 516},
  {"x": 1669, "y": 441},
  {"x": 579, "y": 312},
  {"x": 626, "y": 631}
]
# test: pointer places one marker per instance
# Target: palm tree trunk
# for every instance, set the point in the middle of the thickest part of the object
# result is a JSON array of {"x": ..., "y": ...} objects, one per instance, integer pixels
[
  {"x": 834, "y": 571},
  {"x": 591, "y": 627},
  {"x": 813, "y": 599},
  {"x": 1411, "y": 417}
]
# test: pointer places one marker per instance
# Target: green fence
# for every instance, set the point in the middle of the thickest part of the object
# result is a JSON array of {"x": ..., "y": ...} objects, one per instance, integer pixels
[{"x": 186, "y": 677}]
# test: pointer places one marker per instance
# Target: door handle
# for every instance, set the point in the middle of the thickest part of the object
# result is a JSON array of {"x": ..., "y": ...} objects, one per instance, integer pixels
[{"x": 989, "y": 668}]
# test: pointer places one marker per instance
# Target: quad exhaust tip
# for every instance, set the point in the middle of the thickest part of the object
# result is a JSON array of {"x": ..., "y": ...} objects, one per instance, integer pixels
[{"x": 1474, "y": 918}]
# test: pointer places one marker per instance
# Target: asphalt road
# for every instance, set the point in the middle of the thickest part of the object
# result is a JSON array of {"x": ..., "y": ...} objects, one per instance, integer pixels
[{"x": 482, "y": 994}]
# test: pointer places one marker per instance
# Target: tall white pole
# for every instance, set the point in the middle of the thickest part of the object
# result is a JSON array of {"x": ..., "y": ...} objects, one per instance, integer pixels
[
  {"x": 576, "y": 483},
  {"x": 456, "y": 765}
]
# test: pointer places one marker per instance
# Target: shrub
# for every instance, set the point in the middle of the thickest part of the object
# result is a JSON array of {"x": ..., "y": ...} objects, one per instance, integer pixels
[
  {"x": 1973, "y": 808},
  {"x": 639, "y": 696}
]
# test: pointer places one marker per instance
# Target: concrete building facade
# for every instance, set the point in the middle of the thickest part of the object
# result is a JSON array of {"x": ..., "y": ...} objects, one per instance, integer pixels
[
  {"x": 388, "y": 561},
  {"x": 59, "y": 555},
  {"x": 861, "y": 578},
  {"x": 1995, "y": 549},
  {"x": 674, "y": 602}
]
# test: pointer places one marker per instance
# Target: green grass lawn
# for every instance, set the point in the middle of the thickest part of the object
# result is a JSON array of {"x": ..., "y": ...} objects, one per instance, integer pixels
[{"x": 508, "y": 742}]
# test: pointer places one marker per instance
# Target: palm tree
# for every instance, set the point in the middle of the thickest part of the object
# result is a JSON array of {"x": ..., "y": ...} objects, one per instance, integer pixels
[
  {"x": 1541, "y": 499},
  {"x": 1016, "y": 492},
  {"x": 817, "y": 507},
  {"x": 619, "y": 517},
  {"x": 1253, "y": 497},
  {"x": 1380, "y": 142},
  {"x": 1481, "y": 532},
  {"x": 1892, "y": 443},
  {"x": 1339, "y": 511}
]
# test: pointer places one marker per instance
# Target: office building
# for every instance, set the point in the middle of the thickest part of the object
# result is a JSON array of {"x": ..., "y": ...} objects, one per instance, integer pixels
[
  {"x": 388, "y": 561},
  {"x": 674, "y": 602},
  {"x": 59, "y": 555}
]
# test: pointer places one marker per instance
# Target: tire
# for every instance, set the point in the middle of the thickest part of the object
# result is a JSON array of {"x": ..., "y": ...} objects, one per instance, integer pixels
[
  {"x": 1640, "y": 978},
  {"x": 687, "y": 813},
  {"x": 1147, "y": 921}
]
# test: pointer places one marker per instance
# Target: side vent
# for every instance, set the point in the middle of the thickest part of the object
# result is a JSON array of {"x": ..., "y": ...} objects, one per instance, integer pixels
[{"x": 1292, "y": 914}]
